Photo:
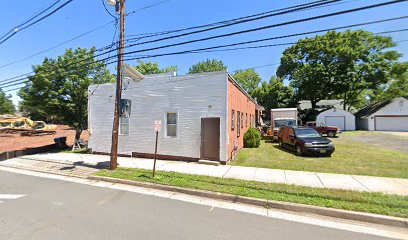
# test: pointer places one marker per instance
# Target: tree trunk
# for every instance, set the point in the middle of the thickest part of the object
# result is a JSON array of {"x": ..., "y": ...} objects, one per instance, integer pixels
[
  {"x": 77, "y": 134},
  {"x": 345, "y": 101},
  {"x": 314, "y": 102}
]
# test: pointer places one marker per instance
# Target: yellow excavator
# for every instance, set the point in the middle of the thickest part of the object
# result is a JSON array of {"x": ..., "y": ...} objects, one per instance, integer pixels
[{"x": 27, "y": 127}]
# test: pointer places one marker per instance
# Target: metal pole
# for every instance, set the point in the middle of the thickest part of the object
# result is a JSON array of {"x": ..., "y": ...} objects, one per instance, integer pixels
[
  {"x": 155, "y": 153},
  {"x": 115, "y": 131}
]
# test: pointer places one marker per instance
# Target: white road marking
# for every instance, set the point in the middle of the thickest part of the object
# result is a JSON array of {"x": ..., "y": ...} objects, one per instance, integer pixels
[
  {"x": 10, "y": 196},
  {"x": 345, "y": 225}
]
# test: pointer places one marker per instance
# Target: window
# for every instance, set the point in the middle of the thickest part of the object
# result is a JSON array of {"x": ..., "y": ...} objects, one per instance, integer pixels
[
  {"x": 246, "y": 119},
  {"x": 171, "y": 124},
  {"x": 233, "y": 120},
  {"x": 238, "y": 124},
  {"x": 242, "y": 120},
  {"x": 125, "y": 105},
  {"x": 250, "y": 120}
]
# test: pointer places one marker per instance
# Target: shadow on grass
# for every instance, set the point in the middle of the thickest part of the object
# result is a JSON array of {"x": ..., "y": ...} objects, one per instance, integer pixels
[{"x": 293, "y": 152}]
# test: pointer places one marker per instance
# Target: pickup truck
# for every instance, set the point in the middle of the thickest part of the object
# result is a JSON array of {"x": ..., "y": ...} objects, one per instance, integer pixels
[{"x": 330, "y": 131}]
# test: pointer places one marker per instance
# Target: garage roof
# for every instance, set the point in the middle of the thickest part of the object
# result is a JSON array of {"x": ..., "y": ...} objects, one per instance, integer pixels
[{"x": 372, "y": 108}]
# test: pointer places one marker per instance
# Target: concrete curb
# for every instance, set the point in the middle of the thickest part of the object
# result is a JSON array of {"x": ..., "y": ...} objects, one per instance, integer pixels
[{"x": 293, "y": 207}]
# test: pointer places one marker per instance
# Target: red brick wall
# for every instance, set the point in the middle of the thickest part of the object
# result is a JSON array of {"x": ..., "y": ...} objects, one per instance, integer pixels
[{"x": 238, "y": 102}]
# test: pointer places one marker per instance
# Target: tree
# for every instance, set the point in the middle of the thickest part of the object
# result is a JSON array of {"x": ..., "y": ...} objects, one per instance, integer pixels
[
  {"x": 274, "y": 94},
  {"x": 338, "y": 65},
  {"x": 153, "y": 68},
  {"x": 397, "y": 87},
  {"x": 59, "y": 87},
  {"x": 249, "y": 79},
  {"x": 6, "y": 105},
  {"x": 208, "y": 66}
]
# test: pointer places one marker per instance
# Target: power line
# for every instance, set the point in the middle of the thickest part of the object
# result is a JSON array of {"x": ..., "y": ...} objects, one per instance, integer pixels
[
  {"x": 278, "y": 37},
  {"x": 147, "y": 7},
  {"x": 36, "y": 21},
  {"x": 252, "y": 29},
  {"x": 257, "y": 29},
  {"x": 14, "y": 29},
  {"x": 103, "y": 3},
  {"x": 80, "y": 35},
  {"x": 313, "y": 4},
  {"x": 213, "y": 48},
  {"x": 234, "y": 22},
  {"x": 221, "y": 22},
  {"x": 229, "y": 49}
]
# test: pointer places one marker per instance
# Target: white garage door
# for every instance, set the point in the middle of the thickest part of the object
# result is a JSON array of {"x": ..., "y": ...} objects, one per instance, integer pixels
[
  {"x": 391, "y": 123},
  {"x": 336, "y": 121}
]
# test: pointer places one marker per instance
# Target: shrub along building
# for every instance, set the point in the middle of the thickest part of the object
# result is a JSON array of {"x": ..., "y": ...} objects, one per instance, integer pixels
[{"x": 204, "y": 116}]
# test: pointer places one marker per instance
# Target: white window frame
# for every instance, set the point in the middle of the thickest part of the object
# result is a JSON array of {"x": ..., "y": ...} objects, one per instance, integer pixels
[
  {"x": 233, "y": 120},
  {"x": 238, "y": 124},
  {"x": 246, "y": 119},
  {"x": 177, "y": 123}
]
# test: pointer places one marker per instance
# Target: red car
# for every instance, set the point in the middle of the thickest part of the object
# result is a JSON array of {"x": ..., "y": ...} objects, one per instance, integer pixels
[{"x": 331, "y": 131}]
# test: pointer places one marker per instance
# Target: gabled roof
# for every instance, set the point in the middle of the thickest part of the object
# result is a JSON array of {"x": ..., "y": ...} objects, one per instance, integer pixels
[
  {"x": 336, "y": 103},
  {"x": 373, "y": 108}
]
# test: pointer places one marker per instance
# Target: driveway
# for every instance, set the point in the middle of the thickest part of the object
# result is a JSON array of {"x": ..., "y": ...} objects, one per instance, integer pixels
[{"x": 391, "y": 140}]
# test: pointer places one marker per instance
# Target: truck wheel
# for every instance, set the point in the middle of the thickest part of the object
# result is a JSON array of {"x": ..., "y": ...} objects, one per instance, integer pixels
[
  {"x": 331, "y": 134},
  {"x": 299, "y": 150}
]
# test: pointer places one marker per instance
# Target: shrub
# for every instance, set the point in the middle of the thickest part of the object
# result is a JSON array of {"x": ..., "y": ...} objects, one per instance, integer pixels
[{"x": 252, "y": 138}]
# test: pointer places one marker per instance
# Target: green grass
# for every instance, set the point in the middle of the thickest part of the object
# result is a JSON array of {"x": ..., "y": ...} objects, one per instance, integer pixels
[
  {"x": 350, "y": 157},
  {"x": 378, "y": 203}
]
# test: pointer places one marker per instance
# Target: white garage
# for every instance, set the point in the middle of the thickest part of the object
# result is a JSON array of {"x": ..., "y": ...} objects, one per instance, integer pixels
[
  {"x": 391, "y": 123},
  {"x": 344, "y": 120},
  {"x": 390, "y": 115}
]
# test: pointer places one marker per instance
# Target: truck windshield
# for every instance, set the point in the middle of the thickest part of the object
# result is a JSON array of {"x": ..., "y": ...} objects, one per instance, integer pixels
[
  {"x": 307, "y": 132},
  {"x": 285, "y": 122}
]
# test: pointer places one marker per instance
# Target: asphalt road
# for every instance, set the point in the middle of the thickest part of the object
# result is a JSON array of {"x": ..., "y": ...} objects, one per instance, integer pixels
[{"x": 55, "y": 209}]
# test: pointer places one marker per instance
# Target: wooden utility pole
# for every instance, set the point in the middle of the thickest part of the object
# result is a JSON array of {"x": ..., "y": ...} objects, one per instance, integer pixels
[{"x": 115, "y": 131}]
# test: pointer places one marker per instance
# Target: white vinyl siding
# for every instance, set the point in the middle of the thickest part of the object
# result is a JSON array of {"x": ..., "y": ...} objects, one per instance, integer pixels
[{"x": 151, "y": 99}]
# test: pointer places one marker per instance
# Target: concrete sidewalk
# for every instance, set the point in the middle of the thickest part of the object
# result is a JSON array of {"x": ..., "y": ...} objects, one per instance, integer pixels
[{"x": 311, "y": 179}]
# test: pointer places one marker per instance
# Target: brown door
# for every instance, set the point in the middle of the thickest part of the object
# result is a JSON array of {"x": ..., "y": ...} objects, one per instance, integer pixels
[{"x": 210, "y": 138}]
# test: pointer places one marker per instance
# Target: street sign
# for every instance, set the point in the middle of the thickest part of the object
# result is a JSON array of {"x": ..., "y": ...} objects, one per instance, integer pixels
[{"x": 157, "y": 125}]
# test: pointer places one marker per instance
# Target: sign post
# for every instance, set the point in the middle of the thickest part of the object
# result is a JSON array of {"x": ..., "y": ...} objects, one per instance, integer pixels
[{"x": 157, "y": 125}]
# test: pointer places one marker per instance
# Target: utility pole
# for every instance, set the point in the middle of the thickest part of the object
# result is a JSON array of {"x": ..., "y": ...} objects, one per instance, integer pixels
[{"x": 115, "y": 131}]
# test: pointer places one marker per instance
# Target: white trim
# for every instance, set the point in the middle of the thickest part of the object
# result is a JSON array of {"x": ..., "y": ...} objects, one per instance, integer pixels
[{"x": 176, "y": 111}]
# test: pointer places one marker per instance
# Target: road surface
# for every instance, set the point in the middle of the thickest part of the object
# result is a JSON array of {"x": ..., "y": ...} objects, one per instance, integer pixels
[{"x": 41, "y": 208}]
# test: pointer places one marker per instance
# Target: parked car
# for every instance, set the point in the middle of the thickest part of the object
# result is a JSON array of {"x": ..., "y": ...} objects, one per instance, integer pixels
[
  {"x": 304, "y": 140},
  {"x": 330, "y": 131}
]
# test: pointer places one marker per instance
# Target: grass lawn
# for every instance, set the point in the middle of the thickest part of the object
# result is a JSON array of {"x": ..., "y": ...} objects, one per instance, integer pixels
[
  {"x": 350, "y": 157},
  {"x": 379, "y": 203}
]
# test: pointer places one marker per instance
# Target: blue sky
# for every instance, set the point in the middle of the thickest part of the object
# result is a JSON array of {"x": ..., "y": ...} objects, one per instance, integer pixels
[{"x": 83, "y": 15}]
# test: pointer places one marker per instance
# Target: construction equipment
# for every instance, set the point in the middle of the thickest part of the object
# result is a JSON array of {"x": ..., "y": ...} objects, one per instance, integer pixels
[{"x": 27, "y": 127}]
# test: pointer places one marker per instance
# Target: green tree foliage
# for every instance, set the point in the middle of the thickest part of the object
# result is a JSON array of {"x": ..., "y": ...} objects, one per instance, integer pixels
[
  {"x": 274, "y": 94},
  {"x": 397, "y": 87},
  {"x": 208, "y": 66},
  {"x": 249, "y": 79},
  {"x": 252, "y": 138},
  {"x": 153, "y": 68},
  {"x": 6, "y": 105},
  {"x": 338, "y": 65},
  {"x": 58, "y": 89}
]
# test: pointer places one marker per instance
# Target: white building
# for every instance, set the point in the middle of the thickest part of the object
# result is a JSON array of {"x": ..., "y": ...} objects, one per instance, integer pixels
[
  {"x": 390, "y": 115},
  {"x": 344, "y": 120},
  {"x": 203, "y": 116}
]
